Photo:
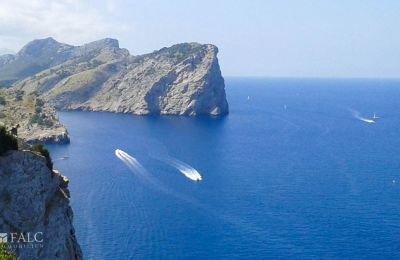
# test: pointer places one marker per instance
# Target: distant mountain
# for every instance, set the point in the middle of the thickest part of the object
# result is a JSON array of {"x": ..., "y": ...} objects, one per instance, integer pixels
[
  {"x": 184, "y": 79},
  {"x": 39, "y": 55}
]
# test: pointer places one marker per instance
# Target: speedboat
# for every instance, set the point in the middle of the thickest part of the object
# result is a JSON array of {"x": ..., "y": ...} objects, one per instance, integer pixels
[{"x": 369, "y": 121}]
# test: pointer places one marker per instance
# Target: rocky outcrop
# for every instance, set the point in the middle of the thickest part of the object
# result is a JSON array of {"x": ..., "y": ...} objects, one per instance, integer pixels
[
  {"x": 44, "y": 135},
  {"x": 35, "y": 199},
  {"x": 37, "y": 121},
  {"x": 184, "y": 79}
]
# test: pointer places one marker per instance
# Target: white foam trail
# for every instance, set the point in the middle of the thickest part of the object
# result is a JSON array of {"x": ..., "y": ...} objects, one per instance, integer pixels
[
  {"x": 62, "y": 158},
  {"x": 139, "y": 170},
  {"x": 131, "y": 162},
  {"x": 357, "y": 115},
  {"x": 184, "y": 168},
  {"x": 134, "y": 165},
  {"x": 192, "y": 174},
  {"x": 161, "y": 154}
]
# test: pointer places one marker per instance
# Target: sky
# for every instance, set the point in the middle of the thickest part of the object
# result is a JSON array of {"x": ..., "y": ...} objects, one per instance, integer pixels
[{"x": 277, "y": 38}]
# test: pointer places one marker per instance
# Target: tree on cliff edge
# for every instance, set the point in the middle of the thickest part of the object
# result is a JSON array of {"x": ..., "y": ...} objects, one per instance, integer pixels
[{"x": 7, "y": 141}]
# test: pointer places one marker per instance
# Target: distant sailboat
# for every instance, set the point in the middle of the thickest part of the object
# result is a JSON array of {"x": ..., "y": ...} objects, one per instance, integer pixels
[
  {"x": 284, "y": 107},
  {"x": 248, "y": 97},
  {"x": 375, "y": 117}
]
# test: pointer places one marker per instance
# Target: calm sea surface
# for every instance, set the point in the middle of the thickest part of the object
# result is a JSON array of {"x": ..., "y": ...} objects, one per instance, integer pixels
[{"x": 290, "y": 173}]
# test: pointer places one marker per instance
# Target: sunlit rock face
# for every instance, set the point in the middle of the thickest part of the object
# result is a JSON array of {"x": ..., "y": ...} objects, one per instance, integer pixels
[
  {"x": 184, "y": 79},
  {"x": 35, "y": 200}
]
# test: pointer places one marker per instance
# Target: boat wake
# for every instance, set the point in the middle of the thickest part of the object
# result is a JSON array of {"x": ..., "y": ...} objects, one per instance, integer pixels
[
  {"x": 192, "y": 174},
  {"x": 135, "y": 166},
  {"x": 357, "y": 115},
  {"x": 131, "y": 162},
  {"x": 62, "y": 158},
  {"x": 184, "y": 168},
  {"x": 161, "y": 153}
]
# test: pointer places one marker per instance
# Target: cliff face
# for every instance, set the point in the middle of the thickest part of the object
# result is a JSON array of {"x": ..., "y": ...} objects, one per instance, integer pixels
[
  {"x": 34, "y": 199},
  {"x": 184, "y": 79}
]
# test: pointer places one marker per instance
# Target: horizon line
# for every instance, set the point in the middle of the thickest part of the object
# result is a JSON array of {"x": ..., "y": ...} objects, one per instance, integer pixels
[{"x": 314, "y": 77}]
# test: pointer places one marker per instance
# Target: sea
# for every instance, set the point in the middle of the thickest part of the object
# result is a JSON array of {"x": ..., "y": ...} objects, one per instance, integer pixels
[{"x": 299, "y": 169}]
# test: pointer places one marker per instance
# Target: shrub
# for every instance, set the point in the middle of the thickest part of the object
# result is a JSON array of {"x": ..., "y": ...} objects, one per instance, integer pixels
[
  {"x": 47, "y": 122},
  {"x": 43, "y": 151},
  {"x": 19, "y": 94},
  {"x": 95, "y": 62},
  {"x": 36, "y": 119},
  {"x": 7, "y": 141},
  {"x": 2, "y": 100},
  {"x": 5, "y": 252},
  {"x": 39, "y": 102},
  {"x": 40, "y": 119},
  {"x": 63, "y": 73}
]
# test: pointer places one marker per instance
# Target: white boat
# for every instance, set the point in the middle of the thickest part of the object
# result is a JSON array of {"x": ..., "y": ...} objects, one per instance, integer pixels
[{"x": 369, "y": 121}]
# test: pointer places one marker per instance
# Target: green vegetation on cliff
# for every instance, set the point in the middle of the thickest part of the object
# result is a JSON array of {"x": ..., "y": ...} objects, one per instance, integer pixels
[
  {"x": 43, "y": 151},
  {"x": 7, "y": 141},
  {"x": 5, "y": 252}
]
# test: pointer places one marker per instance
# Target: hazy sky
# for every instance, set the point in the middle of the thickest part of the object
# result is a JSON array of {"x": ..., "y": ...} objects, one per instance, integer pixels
[{"x": 299, "y": 38}]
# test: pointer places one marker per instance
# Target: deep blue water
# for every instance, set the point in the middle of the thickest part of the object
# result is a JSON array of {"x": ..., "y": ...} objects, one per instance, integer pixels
[{"x": 308, "y": 181}]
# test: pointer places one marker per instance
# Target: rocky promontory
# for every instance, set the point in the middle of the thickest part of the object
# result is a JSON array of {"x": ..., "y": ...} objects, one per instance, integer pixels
[{"x": 184, "y": 79}]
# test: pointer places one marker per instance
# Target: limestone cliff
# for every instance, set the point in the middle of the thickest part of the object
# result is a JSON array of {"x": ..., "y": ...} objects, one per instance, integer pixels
[
  {"x": 184, "y": 79},
  {"x": 36, "y": 199}
]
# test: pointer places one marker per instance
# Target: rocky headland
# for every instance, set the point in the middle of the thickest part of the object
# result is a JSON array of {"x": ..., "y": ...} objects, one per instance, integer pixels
[{"x": 184, "y": 79}]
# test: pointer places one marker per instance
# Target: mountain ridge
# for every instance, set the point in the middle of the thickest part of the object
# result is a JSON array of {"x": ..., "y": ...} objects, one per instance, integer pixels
[{"x": 184, "y": 79}]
